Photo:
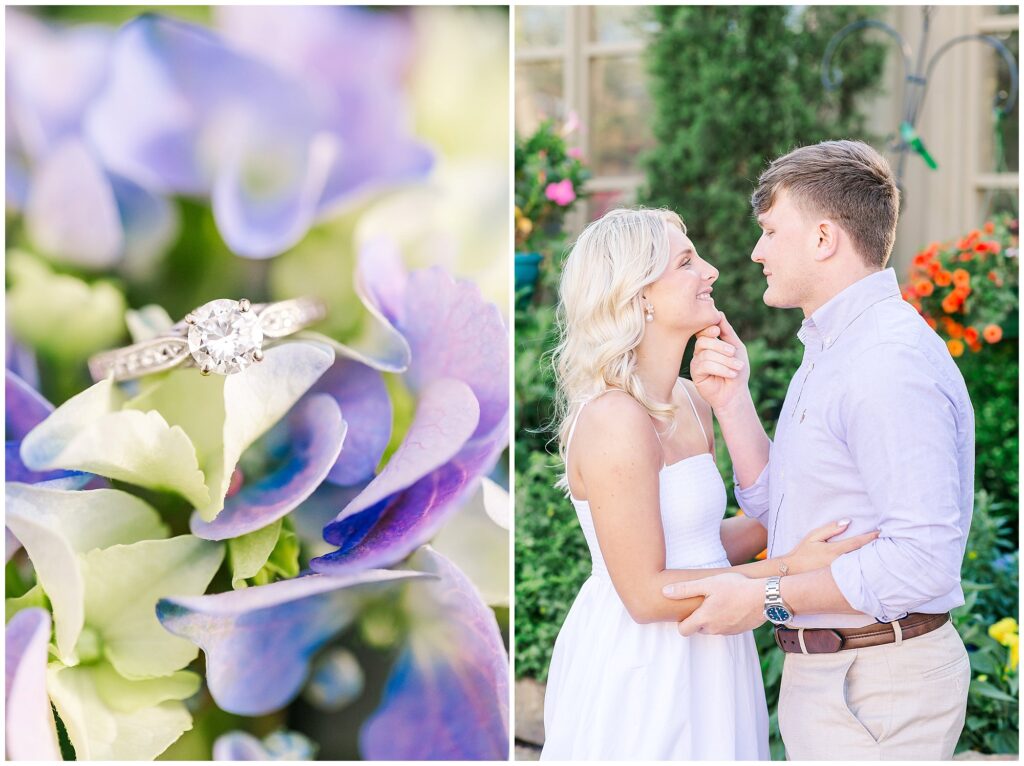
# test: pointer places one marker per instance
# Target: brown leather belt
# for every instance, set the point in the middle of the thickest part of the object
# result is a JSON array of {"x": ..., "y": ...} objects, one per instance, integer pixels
[{"x": 828, "y": 640}]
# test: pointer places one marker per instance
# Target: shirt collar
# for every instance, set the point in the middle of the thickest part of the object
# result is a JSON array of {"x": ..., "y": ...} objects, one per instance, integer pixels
[{"x": 821, "y": 329}]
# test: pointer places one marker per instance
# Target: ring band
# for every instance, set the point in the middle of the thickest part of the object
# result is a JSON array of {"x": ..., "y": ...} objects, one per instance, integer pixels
[{"x": 222, "y": 336}]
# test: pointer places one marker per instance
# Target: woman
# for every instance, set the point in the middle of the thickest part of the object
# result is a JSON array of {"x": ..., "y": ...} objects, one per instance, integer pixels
[{"x": 639, "y": 468}]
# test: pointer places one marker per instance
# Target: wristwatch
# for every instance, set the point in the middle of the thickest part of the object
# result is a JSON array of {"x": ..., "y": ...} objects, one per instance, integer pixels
[{"x": 776, "y": 611}]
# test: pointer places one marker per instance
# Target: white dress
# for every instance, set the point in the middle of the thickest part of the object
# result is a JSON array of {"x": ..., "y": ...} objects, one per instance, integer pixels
[{"x": 618, "y": 690}]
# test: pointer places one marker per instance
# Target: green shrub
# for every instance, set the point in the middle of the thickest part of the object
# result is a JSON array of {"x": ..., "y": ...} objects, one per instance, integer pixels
[{"x": 552, "y": 562}]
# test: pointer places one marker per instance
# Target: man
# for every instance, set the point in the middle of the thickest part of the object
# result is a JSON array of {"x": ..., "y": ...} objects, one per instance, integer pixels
[{"x": 876, "y": 428}]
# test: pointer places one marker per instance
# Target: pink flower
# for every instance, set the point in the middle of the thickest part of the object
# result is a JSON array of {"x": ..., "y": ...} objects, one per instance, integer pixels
[
  {"x": 571, "y": 124},
  {"x": 575, "y": 152},
  {"x": 561, "y": 193}
]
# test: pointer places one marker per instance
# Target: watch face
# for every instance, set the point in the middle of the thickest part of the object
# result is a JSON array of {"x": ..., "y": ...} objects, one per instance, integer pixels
[{"x": 777, "y": 614}]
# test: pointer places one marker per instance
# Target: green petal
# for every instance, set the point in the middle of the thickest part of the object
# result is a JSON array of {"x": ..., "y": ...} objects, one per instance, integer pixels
[
  {"x": 122, "y": 586},
  {"x": 124, "y": 696},
  {"x": 99, "y": 732},
  {"x": 250, "y": 552},
  {"x": 61, "y": 314},
  {"x": 88, "y": 433},
  {"x": 56, "y": 525}
]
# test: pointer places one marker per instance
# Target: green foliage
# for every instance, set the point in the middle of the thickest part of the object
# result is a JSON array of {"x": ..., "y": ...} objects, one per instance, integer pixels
[
  {"x": 552, "y": 562},
  {"x": 733, "y": 88}
]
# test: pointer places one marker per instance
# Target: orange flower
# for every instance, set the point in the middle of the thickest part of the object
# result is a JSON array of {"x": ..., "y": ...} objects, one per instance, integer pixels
[
  {"x": 995, "y": 248},
  {"x": 981, "y": 247},
  {"x": 963, "y": 244},
  {"x": 961, "y": 278},
  {"x": 968, "y": 256},
  {"x": 934, "y": 268},
  {"x": 950, "y": 303},
  {"x": 971, "y": 335},
  {"x": 956, "y": 348},
  {"x": 924, "y": 288},
  {"x": 989, "y": 227},
  {"x": 993, "y": 333},
  {"x": 762, "y": 555},
  {"x": 975, "y": 347},
  {"x": 961, "y": 292},
  {"x": 943, "y": 278},
  {"x": 955, "y": 330},
  {"x": 932, "y": 323},
  {"x": 998, "y": 280},
  {"x": 921, "y": 259}
]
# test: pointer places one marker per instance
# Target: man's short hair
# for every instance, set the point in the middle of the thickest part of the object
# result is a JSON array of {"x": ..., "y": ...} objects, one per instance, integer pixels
[{"x": 847, "y": 181}]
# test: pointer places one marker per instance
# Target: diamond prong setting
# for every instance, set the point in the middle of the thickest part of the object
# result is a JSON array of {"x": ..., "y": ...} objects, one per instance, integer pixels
[{"x": 225, "y": 336}]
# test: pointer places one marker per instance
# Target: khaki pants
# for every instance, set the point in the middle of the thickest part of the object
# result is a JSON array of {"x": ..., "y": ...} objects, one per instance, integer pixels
[{"x": 889, "y": 702}]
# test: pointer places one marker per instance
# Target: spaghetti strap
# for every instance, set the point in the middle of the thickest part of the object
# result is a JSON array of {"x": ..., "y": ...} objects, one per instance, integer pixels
[
  {"x": 693, "y": 406},
  {"x": 575, "y": 420}
]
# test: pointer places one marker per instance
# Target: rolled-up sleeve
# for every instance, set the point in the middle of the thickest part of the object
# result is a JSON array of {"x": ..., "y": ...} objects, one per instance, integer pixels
[
  {"x": 902, "y": 427},
  {"x": 753, "y": 500}
]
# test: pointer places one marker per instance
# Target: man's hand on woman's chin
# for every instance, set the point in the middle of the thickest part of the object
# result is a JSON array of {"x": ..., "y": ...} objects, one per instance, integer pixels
[{"x": 720, "y": 367}]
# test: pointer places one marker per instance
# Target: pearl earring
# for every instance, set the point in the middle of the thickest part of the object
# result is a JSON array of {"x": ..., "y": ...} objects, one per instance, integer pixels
[{"x": 649, "y": 313}]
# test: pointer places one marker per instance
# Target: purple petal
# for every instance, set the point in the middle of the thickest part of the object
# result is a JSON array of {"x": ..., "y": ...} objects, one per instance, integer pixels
[
  {"x": 360, "y": 392},
  {"x": 239, "y": 746},
  {"x": 316, "y": 435},
  {"x": 21, "y": 360},
  {"x": 381, "y": 279},
  {"x": 25, "y": 409},
  {"x": 447, "y": 697},
  {"x": 445, "y": 417},
  {"x": 12, "y": 544},
  {"x": 413, "y": 516},
  {"x": 357, "y": 61},
  {"x": 30, "y": 730},
  {"x": 150, "y": 224},
  {"x": 259, "y": 641},
  {"x": 179, "y": 102},
  {"x": 454, "y": 333},
  {"x": 24, "y": 406}
]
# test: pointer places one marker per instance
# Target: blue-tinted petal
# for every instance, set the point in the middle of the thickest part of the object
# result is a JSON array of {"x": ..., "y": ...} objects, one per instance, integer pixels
[
  {"x": 447, "y": 696},
  {"x": 280, "y": 746},
  {"x": 259, "y": 641},
  {"x": 337, "y": 680},
  {"x": 150, "y": 223},
  {"x": 413, "y": 516},
  {"x": 445, "y": 418},
  {"x": 316, "y": 435},
  {"x": 310, "y": 518},
  {"x": 30, "y": 731},
  {"x": 360, "y": 392},
  {"x": 25, "y": 407},
  {"x": 21, "y": 360},
  {"x": 454, "y": 333}
]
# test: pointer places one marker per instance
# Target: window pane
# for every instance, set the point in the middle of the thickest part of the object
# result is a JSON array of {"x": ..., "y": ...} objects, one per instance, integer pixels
[
  {"x": 620, "y": 110},
  {"x": 1000, "y": 141},
  {"x": 538, "y": 94},
  {"x": 538, "y": 26},
  {"x": 619, "y": 23}
]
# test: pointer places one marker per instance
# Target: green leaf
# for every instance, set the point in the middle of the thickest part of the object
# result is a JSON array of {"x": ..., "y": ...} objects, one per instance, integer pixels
[
  {"x": 89, "y": 432},
  {"x": 99, "y": 732},
  {"x": 988, "y": 690},
  {"x": 247, "y": 554},
  {"x": 55, "y": 526},
  {"x": 123, "y": 584}
]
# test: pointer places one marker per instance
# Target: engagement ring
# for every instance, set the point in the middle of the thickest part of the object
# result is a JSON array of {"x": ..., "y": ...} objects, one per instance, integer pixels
[{"x": 222, "y": 336}]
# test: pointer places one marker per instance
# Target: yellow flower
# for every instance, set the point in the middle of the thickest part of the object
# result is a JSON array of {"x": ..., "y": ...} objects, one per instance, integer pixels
[
  {"x": 1003, "y": 630},
  {"x": 972, "y": 555},
  {"x": 1014, "y": 658},
  {"x": 982, "y": 678}
]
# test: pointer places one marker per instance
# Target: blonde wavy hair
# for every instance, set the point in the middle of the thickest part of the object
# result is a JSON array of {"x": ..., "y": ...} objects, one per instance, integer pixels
[{"x": 600, "y": 314}]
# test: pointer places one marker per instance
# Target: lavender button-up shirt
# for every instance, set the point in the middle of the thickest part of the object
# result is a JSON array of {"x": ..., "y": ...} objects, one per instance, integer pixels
[{"x": 877, "y": 427}]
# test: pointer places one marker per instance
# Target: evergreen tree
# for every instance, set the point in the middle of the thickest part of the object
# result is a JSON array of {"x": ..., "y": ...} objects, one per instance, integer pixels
[{"x": 734, "y": 87}]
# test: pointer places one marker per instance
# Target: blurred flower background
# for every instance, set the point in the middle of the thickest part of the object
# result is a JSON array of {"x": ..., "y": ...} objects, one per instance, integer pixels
[{"x": 308, "y": 559}]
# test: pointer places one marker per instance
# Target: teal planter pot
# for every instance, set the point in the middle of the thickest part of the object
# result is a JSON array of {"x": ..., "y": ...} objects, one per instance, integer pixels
[{"x": 527, "y": 271}]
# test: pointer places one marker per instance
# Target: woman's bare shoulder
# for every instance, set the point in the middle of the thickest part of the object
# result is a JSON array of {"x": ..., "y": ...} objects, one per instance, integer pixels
[{"x": 617, "y": 423}]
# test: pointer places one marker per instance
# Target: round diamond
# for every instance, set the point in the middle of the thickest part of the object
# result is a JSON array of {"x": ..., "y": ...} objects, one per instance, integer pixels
[{"x": 224, "y": 338}]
